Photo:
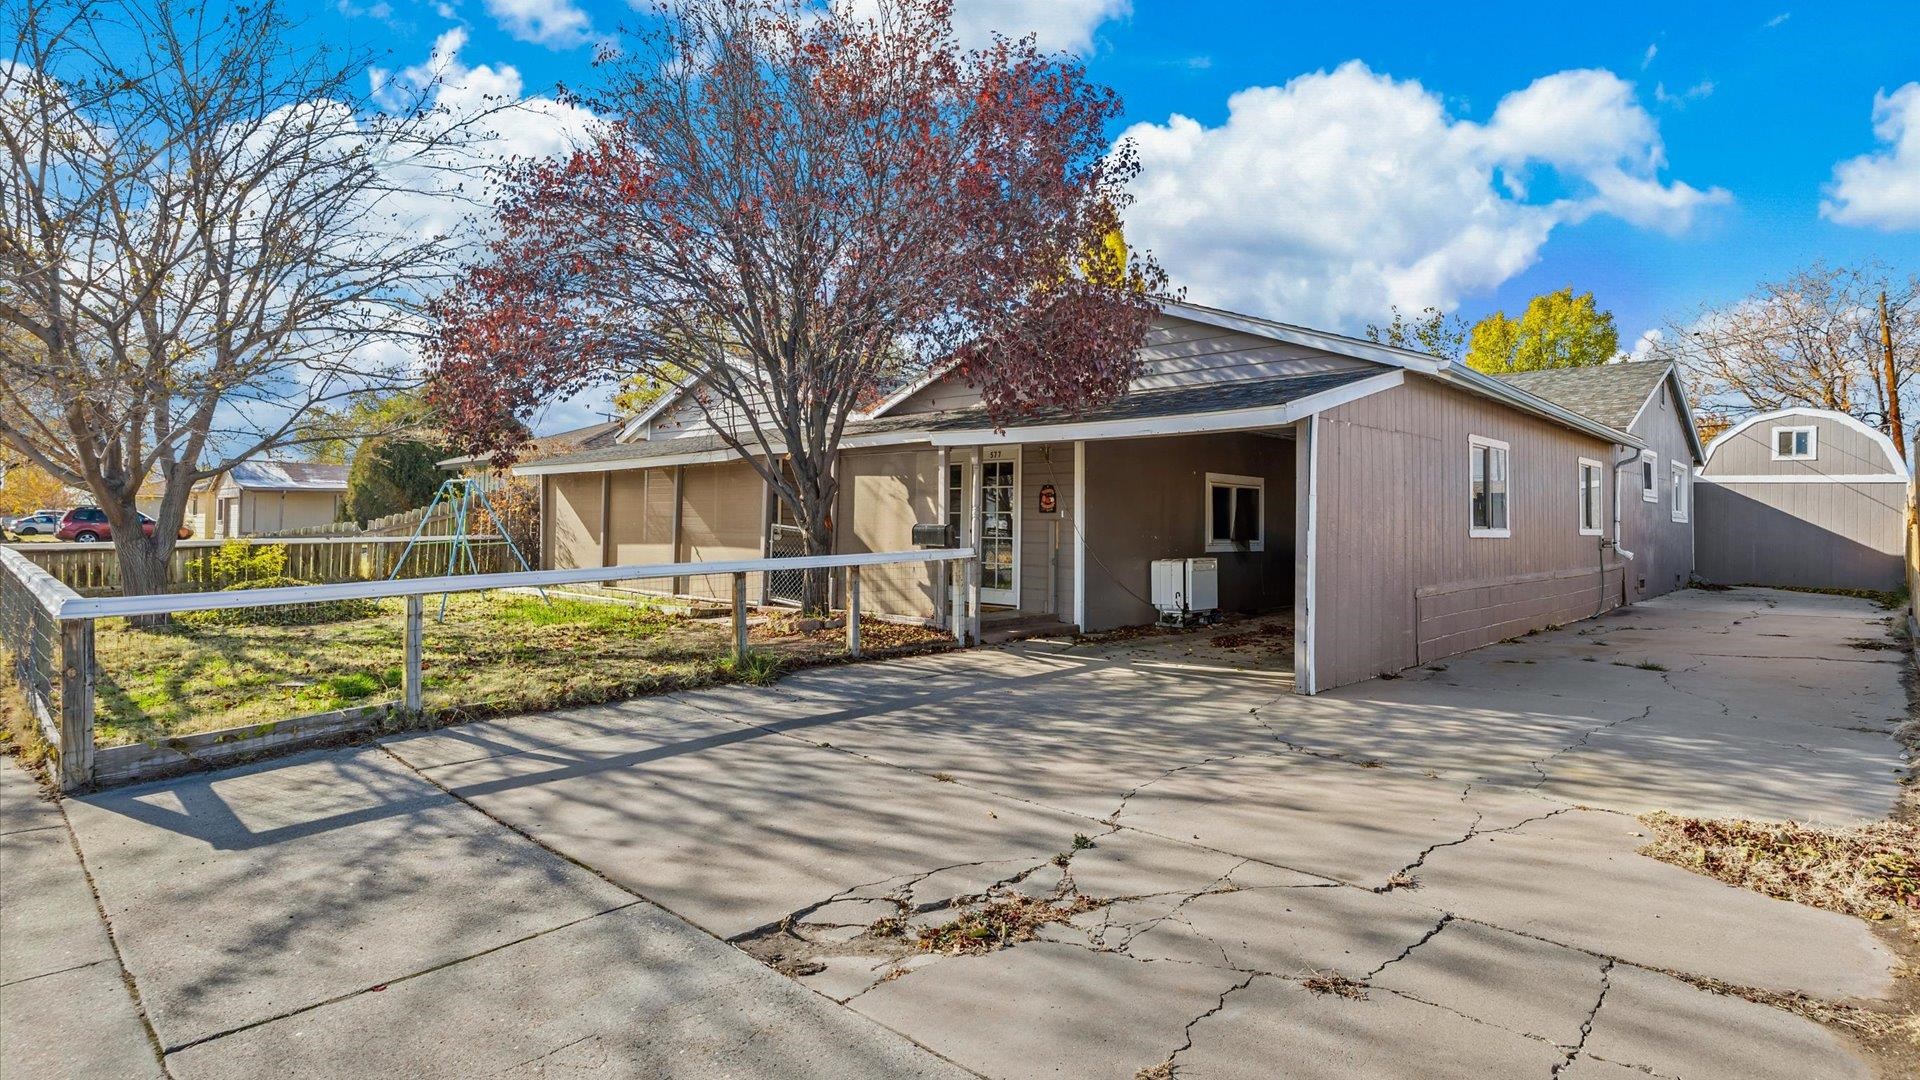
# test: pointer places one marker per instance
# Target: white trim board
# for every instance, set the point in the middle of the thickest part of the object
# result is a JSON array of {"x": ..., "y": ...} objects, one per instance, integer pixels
[{"x": 1814, "y": 478}]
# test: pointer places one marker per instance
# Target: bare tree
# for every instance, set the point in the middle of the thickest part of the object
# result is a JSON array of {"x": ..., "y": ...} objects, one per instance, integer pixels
[
  {"x": 204, "y": 234},
  {"x": 1812, "y": 339}
]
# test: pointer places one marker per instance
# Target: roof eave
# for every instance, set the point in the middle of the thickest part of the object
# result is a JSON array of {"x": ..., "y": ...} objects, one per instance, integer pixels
[{"x": 1461, "y": 374}]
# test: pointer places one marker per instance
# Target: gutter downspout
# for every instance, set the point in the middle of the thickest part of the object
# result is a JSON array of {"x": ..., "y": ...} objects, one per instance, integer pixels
[{"x": 1638, "y": 455}]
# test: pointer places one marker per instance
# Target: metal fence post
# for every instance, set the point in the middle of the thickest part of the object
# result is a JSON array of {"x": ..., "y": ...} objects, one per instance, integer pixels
[
  {"x": 739, "y": 616},
  {"x": 853, "y": 611},
  {"x": 416, "y": 630},
  {"x": 76, "y": 703}
]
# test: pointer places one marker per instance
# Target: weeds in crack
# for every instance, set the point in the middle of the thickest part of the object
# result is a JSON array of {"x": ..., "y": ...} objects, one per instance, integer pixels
[{"x": 1335, "y": 984}]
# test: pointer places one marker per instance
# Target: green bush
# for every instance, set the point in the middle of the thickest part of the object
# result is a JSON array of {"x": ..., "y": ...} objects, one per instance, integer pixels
[
  {"x": 236, "y": 562},
  {"x": 281, "y": 615},
  {"x": 390, "y": 475}
]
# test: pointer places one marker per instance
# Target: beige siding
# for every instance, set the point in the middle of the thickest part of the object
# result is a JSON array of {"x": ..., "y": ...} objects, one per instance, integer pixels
[
  {"x": 573, "y": 521},
  {"x": 882, "y": 495},
  {"x": 721, "y": 518},
  {"x": 1399, "y": 580},
  {"x": 1662, "y": 547},
  {"x": 1146, "y": 500}
]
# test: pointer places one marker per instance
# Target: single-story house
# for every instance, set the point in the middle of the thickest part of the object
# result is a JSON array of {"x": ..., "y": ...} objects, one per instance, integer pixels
[
  {"x": 1803, "y": 497},
  {"x": 1646, "y": 400},
  {"x": 1400, "y": 506},
  {"x": 260, "y": 498}
]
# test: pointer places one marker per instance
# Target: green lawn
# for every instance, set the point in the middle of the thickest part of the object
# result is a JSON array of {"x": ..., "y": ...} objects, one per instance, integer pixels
[
  {"x": 493, "y": 653},
  {"x": 504, "y": 652}
]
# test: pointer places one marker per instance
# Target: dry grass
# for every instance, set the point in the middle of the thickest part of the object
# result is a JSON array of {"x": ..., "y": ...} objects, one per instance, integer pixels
[
  {"x": 1872, "y": 871},
  {"x": 1332, "y": 982},
  {"x": 1001, "y": 922}
]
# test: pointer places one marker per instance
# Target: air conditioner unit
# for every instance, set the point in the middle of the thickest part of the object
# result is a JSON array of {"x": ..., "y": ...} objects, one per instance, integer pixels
[{"x": 1186, "y": 591}]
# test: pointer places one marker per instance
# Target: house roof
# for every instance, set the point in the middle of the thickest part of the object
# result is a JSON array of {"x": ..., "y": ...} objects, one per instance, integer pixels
[
  {"x": 1879, "y": 438},
  {"x": 288, "y": 476},
  {"x": 1613, "y": 394},
  {"x": 1142, "y": 406},
  {"x": 573, "y": 440}
]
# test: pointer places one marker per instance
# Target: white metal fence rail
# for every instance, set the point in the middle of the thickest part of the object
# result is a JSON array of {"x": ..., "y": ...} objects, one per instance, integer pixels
[
  {"x": 94, "y": 569},
  {"x": 48, "y": 628}
]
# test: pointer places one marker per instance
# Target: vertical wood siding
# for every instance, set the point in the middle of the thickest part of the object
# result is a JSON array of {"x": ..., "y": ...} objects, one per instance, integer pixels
[
  {"x": 573, "y": 532},
  {"x": 1400, "y": 581},
  {"x": 882, "y": 495},
  {"x": 1817, "y": 535},
  {"x": 720, "y": 518},
  {"x": 1662, "y": 548},
  {"x": 1840, "y": 450},
  {"x": 1146, "y": 500},
  {"x": 1046, "y": 540}
]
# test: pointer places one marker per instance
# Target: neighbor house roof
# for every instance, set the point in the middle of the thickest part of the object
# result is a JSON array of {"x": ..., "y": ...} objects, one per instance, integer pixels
[
  {"x": 573, "y": 440},
  {"x": 288, "y": 476},
  {"x": 1613, "y": 394}
]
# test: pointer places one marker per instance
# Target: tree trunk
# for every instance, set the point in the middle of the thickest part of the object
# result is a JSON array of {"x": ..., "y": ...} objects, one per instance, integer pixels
[
  {"x": 816, "y": 584},
  {"x": 145, "y": 561}
]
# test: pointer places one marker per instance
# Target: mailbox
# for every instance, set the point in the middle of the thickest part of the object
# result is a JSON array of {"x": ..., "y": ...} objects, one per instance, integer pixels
[{"x": 932, "y": 536}]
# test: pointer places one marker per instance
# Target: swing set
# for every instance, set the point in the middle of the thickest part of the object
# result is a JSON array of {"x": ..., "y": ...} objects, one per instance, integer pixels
[{"x": 464, "y": 496}]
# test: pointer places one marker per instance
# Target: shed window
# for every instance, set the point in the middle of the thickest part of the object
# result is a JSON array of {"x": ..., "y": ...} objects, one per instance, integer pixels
[
  {"x": 1489, "y": 495},
  {"x": 1795, "y": 443},
  {"x": 1650, "y": 477},
  {"x": 1589, "y": 497},
  {"x": 1236, "y": 512},
  {"x": 1680, "y": 493}
]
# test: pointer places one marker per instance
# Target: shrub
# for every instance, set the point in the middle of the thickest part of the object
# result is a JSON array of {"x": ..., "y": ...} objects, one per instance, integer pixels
[
  {"x": 280, "y": 615},
  {"x": 237, "y": 562}
]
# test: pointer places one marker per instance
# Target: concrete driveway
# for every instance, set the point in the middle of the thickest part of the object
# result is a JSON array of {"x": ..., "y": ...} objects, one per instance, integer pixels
[{"x": 1426, "y": 876}]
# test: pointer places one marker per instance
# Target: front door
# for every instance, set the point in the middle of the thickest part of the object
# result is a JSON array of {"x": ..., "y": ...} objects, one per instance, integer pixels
[{"x": 1000, "y": 526}]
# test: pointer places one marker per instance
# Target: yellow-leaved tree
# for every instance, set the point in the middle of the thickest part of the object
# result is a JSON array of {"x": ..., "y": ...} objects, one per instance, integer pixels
[{"x": 1557, "y": 330}]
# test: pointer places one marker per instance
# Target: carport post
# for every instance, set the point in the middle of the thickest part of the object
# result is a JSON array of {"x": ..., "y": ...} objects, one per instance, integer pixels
[
  {"x": 410, "y": 679},
  {"x": 76, "y": 703},
  {"x": 853, "y": 611},
  {"x": 739, "y": 616}
]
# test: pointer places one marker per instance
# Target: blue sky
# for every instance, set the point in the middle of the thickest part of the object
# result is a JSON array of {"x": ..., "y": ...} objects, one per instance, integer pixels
[{"x": 1315, "y": 162}]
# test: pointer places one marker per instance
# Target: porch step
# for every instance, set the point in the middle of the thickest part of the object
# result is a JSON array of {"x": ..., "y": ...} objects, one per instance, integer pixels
[{"x": 1001, "y": 631}]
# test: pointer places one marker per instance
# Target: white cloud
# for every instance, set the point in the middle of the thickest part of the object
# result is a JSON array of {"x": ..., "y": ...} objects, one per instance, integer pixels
[
  {"x": 1652, "y": 51},
  {"x": 1643, "y": 346},
  {"x": 1330, "y": 198},
  {"x": 1881, "y": 190},
  {"x": 557, "y": 24},
  {"x": 1778, "y": 19},
  {"x": 1679, "y": 98},
  {"x": 1057, "y": 25}
]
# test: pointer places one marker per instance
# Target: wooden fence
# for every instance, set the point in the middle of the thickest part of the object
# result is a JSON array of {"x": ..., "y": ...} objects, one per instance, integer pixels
[{"x": 94, "y": 569}]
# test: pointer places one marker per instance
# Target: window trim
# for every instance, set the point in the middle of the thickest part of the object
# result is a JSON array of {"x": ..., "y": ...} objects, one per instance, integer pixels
[
  {"x": 1650, "y": 477},
  {"x": 1599, "y": 501},
  {"x": 1813, "y": 442},
  {"x": 1476, "y": 443},
  {"x": 1682, "y": 478},
  {"x": 1259, "y": 486}
]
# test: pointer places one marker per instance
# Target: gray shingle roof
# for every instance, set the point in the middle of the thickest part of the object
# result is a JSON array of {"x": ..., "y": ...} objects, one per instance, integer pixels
[
  {"x": 1609, "y": 393},
  {"x": 1140, "y": 405}
]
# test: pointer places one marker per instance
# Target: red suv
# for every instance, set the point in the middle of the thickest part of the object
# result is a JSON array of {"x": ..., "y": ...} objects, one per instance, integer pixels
[{"x": 89, "y": 523}]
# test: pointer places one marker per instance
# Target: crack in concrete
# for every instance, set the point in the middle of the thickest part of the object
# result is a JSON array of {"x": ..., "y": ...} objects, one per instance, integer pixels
[
  {"x": 1586, "y": 1026},
  {"x": 1445, "y": 918},
  {"x": 1539, "y": 765},
  {"x": 1187, "y": 1033},
  {"x": 1403, "y": 878}
]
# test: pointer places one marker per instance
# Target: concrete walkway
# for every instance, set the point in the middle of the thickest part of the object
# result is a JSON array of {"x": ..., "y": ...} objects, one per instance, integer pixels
[{"x": 594, "y": 892}]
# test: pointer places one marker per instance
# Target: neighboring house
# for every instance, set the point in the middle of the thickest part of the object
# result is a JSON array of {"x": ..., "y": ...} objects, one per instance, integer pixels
[
  {"x": 1803, "y": 497},
  {"x": 1645, "y": 400},
  {"x": 260, "y": 498},
  {"x": 1401, "y": 506}
]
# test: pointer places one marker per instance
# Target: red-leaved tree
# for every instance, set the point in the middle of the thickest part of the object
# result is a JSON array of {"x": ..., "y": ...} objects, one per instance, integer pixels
[{"x": 792, "y": 211}]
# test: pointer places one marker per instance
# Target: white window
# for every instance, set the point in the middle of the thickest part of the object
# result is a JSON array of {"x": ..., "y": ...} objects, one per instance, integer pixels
[
  {"x": 1488, "y": 505},
  {"x": 1795, "y": 443},
  {"x": 1680, "y": 493},
  {"x": 1236, "y": 512},
  {"x": 1590, "y": 473},
  {"x": 1650, "y": 477}
]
